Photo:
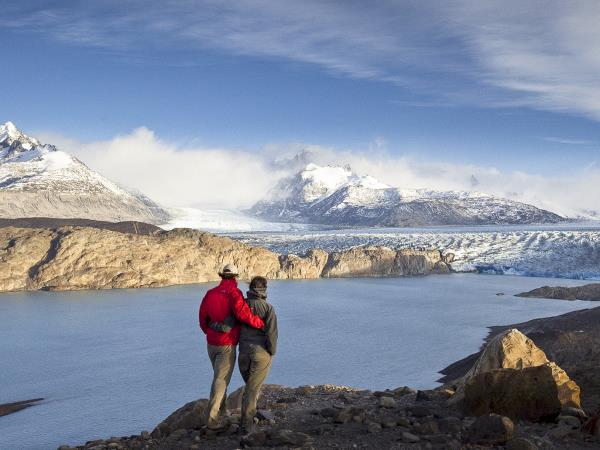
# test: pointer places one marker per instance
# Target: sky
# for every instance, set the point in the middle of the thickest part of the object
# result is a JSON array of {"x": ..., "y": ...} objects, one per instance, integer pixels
[{"x": 419, "y": 93}]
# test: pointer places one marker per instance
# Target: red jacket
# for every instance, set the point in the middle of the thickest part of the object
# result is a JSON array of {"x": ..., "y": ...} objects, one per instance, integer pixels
[{"x": 222, "y": 301}]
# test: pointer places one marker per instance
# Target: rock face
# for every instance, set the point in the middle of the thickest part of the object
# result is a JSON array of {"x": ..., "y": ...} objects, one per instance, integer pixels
[
  {"x": 571, "y": 340},
  {"x": 513, "y": 377},
  {"x": 380, "y": 261},
  {"x": 69, "y": 258},
  {"x": 589, "y": 292}
]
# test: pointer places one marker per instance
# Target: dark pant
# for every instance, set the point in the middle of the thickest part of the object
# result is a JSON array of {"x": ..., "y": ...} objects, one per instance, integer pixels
[
  {"x": 222, "y": 359},
  {"x": 254, "y": 363}
]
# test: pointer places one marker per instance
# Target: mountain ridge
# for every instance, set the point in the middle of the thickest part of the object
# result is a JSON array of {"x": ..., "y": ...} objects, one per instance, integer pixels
[
  {"x": 335, "y": 195},
  {"x": 39, "y": 180}
]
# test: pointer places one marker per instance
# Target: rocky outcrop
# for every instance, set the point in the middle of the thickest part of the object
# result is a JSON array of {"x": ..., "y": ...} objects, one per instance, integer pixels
[
  {"x": 381, "y": 261},
  {"x": 589, "y": 292},
  {"x": 69, "y": 258},
  {"x": 570, "y": 340},
  {"x": 513, "y": 377}
]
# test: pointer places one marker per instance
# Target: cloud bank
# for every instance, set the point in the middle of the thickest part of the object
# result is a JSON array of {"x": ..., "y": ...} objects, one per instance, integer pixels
[
  {"x": 539, "y": 53},
  {"x": 213, "y": 178}
]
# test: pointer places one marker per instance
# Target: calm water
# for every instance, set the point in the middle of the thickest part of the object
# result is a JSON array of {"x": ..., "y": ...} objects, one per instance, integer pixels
[{"x": 117, "y": 362}]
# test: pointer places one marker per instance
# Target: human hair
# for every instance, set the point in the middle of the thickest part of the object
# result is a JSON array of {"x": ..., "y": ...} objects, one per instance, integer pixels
[
  {"x": 227, "y": 276},
  {"x": 258, "y": 283}
]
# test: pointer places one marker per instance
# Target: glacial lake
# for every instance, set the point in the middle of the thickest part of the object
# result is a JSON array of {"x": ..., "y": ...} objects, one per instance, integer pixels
[{"x": 113, "y": 363}]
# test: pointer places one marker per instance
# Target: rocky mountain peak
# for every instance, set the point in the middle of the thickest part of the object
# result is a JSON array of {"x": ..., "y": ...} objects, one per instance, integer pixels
[
  {"x": 39, "y": 180},
  {"x": 12, "y": 137},
  {"x": 335, "y": 195}
]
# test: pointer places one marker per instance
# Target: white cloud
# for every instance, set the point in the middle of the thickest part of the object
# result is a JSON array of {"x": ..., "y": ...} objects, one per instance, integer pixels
[
  {"x": 172, "y": 176},
  {"x": 543, "y": 52},
  {"x": 235, "y": 179},
  {"x": 567, "y": 141},
  {"x": 539, "y": 53}
]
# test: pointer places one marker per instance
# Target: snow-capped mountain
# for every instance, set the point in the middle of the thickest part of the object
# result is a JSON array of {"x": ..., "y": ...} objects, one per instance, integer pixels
[
  {"x": 38, "y": 180},
  {"x": 334, "y": 195}
]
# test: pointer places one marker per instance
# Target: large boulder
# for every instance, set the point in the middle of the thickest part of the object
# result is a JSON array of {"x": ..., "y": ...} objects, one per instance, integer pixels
[
  {"x": 508, "y": 350},
  {"x": 513, "y": 377},
  {"x": 191, "y": 416},
  {"x": 530, "y": 394}
]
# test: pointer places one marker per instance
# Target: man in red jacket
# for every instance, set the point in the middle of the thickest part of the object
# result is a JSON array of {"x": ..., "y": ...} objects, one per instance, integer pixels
[{"x": 222, "y": 304}]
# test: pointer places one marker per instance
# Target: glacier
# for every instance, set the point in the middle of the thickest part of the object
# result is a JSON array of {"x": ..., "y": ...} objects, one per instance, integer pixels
[{"x": 553, "y": 251}]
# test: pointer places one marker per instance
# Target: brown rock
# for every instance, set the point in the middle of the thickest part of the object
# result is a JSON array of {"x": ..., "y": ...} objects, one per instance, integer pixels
[
  {"x": 491, "y": 429},
  {"x": 191, "y": 416},
  {"x": 508, "y": 350},
  {"x": 520, "y": 444},
  {"x": 532, "y": 393}
]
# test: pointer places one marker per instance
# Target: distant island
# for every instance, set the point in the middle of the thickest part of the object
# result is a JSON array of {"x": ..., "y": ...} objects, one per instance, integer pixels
[{"x": 590, "y": 292}]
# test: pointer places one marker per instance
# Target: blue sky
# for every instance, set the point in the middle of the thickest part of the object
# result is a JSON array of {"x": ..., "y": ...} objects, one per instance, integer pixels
[{"x": 508, "y": 85}]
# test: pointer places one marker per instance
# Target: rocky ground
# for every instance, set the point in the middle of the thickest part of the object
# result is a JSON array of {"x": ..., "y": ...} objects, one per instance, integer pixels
[
  {"x": 339, "y": 417},
  {"x": 512, "y": 397},
  {"x": 590, "y": 292},
  {"x": 75, "y": 257}
]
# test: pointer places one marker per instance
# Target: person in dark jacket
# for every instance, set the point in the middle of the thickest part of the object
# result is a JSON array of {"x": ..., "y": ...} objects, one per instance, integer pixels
[
  {"x": 218, "y": 305},
  {"x": 257, "y": 348}
]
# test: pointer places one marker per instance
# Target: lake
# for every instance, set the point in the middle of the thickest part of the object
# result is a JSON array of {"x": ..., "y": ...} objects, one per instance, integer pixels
[{"x": 117, "y": 362}]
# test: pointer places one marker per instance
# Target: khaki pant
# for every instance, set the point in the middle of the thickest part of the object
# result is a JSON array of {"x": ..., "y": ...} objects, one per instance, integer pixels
[
  {"x": 254, "y": 363},
  {"x": 222, "y": 359}
]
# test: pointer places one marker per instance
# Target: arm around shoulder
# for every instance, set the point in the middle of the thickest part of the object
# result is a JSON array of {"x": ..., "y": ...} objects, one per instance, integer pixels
[{"x": 242, "y": 311}]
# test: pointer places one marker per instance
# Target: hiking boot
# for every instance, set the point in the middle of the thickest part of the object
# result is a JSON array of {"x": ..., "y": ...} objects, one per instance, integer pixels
[
  {"x": 217, "y": 425},
  {"x": 247, "y": 429}
]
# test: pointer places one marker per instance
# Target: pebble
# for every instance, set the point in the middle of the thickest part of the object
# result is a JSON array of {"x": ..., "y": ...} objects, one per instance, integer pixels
[
  {"x": 403, "y": 390},
  {"x": 428, "y": 426},
  {"x": 373, "y": 427},
  {"x": 450, "y": 425},
  {"x": 520, "y": 444},
  {"x": 571, "y": 421},
  {"x": 387, "y": 402},
  {"x": 420, "y": 411},
  {"x": 263, "y": 414},
  {"x": 409, "y": 437},
  {"x": 388, "y": 423},
  {"x": 328, "y": 412},
  {"x": 491, "y": 429}
]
